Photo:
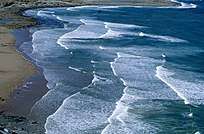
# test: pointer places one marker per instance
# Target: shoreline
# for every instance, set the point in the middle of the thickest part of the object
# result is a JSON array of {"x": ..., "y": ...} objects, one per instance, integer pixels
[
  {"x": 32, "y": 88},
  {"x": 11, "y": 18},
  {"x": 14, "y": 68},
  {"x": 26, "y": 70}
]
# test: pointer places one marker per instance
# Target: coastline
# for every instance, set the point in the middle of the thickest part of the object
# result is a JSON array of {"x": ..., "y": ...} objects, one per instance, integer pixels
[{"x": 15, "y": 69}]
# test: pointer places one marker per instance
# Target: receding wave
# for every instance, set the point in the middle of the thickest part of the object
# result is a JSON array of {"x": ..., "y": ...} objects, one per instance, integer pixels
[
  {"x": 92, "y": 29},
  {"x": 122, "y": 88},
  {"x": 133, "y": 70},
  {"x": 80, "y": 7},
  {"x": 184, "y": 5},
  {"x": 162, "y": 38},
  {"x": 44, "y": 13},
  {"x": 75, "y": 69},
  {"x": 190, "y": 92}
]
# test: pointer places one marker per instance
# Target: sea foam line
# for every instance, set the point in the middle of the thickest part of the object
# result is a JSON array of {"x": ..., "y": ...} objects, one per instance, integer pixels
[
  {"x": 80, "y": 7},
  {"x": 75, "y": 69},
  {"x": 184, "y": 5},
  {"x": 44, "y": 13},
  {"x": 162, "y": 74},
  {"x": 80, "y": 33},
  {"x": 58, "y": 110},
  {"x": 120, "y": 107},
  {"x": 95, "y": 79},
  {"x": 64, "y": 36},
  {"x": 161, "y": 37},
  {"x": 59, "y": 41},
  {"x": 111, "y": 64}
]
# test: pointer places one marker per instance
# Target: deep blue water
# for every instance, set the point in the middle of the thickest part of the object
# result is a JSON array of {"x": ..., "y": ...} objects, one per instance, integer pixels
[{"x": 120, "y": 70}]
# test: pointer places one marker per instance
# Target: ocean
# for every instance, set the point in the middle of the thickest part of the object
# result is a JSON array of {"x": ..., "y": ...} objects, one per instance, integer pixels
[{"x": 120, "y": 69}]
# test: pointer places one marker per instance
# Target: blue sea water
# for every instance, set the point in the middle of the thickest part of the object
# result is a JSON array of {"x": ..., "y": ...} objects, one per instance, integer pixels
[{"x": 120, "y": 70}]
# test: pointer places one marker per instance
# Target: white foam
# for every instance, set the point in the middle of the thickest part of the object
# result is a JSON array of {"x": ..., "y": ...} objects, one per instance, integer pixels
[
  {"x": 75, "y": 69},
  {"x": 120, "y": 25},
  {"x": 97, "y": 78},
  {"x": 93, "y": 29},
  {"x": 161, "y": 38},
  {"x": 44, "y": 13},
  {"x": 119, "y": 32},
  {"x": 120, "y": 55},
  {"x": 78, "y": 113},
  {"x": 190, "y": 92},
  {"x": 84, "y": 31},
  {"x": 111, "y": 34},
  {"x": 197, "y": 132},
  {"x": 184, "y": 5},
  {"x": 163, "y": 74},
  {"x": 120, "y": 107},
  {"x": 88, "y": 30},
  {"x": 91, "y": 22},
  {"x": 60, "y": 42},
  {"x": 59, "y": 18},
  {"x": 101, "y": 47},
  {"x": 116, "y": 115},
  {"x": 124, "y": 83},
  {"x": 112, "y": 63},
  {"x": 80, "y": 7},
  {"x": 109, "y": 7},
  {"x": 120, "y": 29},
  {"x": 92, "y": 61},
  {"x": 141, "y": 34},
  {"x": 119, "y": 120},
  {"x": 190, "y": 114},
  {"x": 164, "y": 55},
  {"x": 125, "y": 55}
]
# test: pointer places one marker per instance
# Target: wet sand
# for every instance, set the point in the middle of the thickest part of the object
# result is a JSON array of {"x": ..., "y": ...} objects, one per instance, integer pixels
[
  {"x": 24, "y": 85},
  {"x": 21, "y": 83},
  {"x": 13, "y": 68},
  {"x": 31, "y": 90}
]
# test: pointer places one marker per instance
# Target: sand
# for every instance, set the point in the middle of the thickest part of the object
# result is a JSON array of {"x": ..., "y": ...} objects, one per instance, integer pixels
[
  {"x": 15, "y": 70},
  {"x": 13, "y": 67}
]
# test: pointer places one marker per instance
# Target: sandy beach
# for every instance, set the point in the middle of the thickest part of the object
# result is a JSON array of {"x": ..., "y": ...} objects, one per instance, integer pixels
[
  {"x": 16, "y": 70},
  {"x": 13, "y": 68}
]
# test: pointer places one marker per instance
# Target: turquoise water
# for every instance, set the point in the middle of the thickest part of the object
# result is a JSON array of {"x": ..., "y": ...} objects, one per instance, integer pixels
[{"x": 127, "y": 70}]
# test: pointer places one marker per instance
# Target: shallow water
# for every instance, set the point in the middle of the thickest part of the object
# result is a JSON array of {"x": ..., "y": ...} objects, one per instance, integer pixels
[{"x": 120, "y": 69}]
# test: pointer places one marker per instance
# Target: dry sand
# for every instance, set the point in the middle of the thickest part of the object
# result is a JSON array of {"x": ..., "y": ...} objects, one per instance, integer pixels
[{"x": 13, "y": 67}]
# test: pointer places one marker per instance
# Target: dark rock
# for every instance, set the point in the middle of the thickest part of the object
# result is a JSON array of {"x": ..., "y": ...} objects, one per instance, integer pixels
[
  {"x": 8, "y": 4},
  {"x": 34, "y": 122},
  {"x": 20, "y": 119}
]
